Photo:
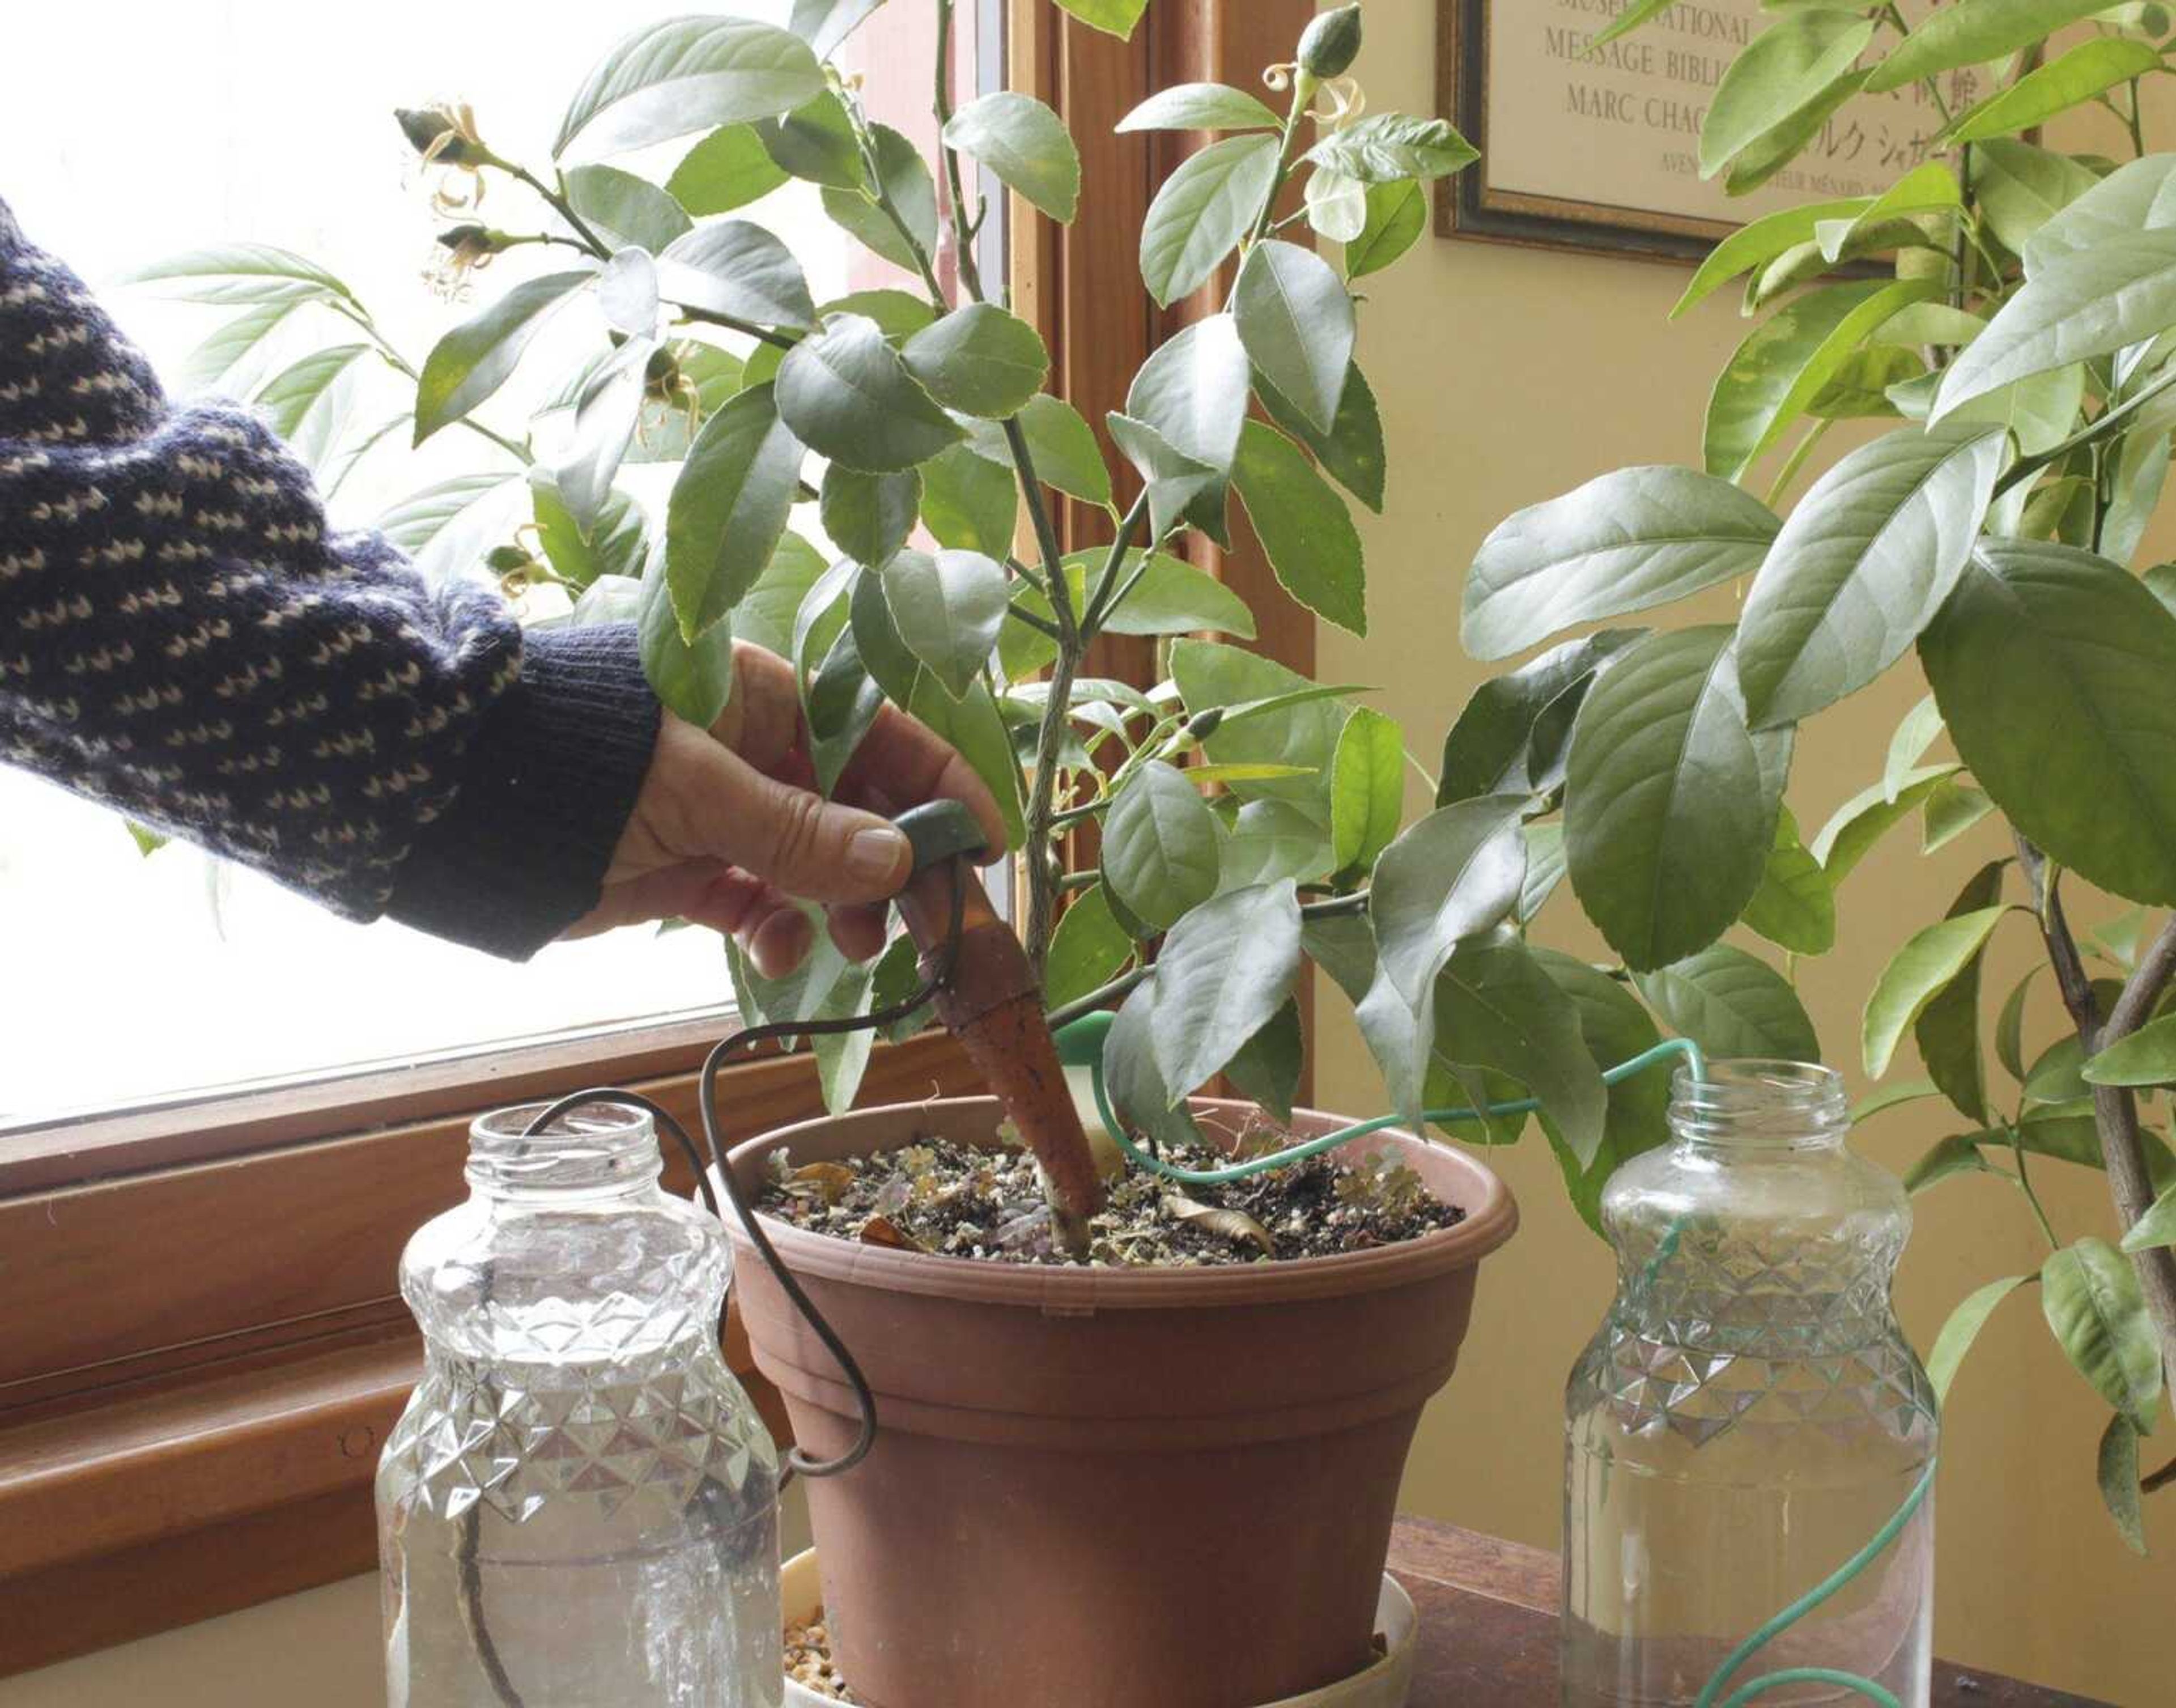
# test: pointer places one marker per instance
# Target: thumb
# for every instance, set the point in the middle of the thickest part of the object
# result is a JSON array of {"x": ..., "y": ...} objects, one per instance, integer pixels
[{"x": 806, "y": 845}]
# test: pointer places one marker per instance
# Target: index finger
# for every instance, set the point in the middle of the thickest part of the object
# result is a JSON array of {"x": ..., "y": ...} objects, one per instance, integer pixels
[{"x": 902, "y": 763}]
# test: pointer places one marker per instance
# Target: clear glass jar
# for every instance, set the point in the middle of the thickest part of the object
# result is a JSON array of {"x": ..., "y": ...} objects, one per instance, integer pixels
[
  {"x": 1749, "y": 1427},
  {"x": 579, "y": 1505}
]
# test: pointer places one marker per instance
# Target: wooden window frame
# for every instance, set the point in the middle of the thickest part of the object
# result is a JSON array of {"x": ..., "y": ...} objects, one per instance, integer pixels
[{"x": 205, "y": 1349}]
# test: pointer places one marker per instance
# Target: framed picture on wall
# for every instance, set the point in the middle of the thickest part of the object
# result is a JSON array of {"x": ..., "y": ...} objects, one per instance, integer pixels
[{"x": 1601, "y": 150}]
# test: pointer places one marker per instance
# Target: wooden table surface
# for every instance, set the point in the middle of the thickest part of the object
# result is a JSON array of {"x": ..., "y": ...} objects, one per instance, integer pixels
[{"x": 1488, "y": 1629}]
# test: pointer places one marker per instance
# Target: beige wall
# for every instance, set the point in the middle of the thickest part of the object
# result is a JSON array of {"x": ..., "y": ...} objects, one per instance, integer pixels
[{"x": 1507, "y": 376}]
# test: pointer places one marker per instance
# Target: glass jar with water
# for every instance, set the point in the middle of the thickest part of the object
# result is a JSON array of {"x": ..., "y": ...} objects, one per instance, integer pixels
[
  {"x": 1750, "y": 1442},
  {"x": 579, "y": 1504}
]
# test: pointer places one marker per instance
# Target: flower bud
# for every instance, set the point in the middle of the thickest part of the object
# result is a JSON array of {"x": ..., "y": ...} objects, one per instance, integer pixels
[
  {"x": 505, "y": 560},
  {"x": 1331, "y": 42},
  {"x": 1203, "y": 724},
  {"x": 440, "y": 136}
]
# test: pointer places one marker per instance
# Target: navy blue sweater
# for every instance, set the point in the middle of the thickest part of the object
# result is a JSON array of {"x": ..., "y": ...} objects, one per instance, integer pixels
[{"x": 182, "y": 637}]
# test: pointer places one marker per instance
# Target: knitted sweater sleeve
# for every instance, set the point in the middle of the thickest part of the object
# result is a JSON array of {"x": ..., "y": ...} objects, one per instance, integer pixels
[{"x": 182, "y": 637}]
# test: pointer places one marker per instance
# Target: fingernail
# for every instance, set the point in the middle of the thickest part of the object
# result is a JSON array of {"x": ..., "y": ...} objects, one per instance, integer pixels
[{"x": 875, "y": 854}]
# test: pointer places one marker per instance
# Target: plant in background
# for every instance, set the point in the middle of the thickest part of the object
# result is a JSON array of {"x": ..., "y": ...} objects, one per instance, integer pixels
[{"x": 2012, "y": 311}]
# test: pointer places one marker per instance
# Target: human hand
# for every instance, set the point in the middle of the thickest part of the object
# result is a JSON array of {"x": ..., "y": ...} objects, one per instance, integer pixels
[{"x": 728, "y": 826}]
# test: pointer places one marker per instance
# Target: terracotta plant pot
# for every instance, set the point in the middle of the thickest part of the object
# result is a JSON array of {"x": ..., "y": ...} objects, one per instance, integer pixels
[{"x": 1101, "y": 1488}]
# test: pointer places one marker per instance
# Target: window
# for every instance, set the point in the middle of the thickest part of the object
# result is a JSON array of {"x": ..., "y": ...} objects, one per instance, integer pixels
[{"x": 256, "y": 121}]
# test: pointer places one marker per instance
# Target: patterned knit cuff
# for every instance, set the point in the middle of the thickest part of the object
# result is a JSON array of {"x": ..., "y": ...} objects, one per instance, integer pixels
[{"x": 547, "y": 785}]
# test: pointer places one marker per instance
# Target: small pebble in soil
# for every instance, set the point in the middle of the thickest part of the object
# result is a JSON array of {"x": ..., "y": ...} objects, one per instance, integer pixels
[
  {"x": 958, "y": 1200},
  {"x": 808, "y": 1660}
]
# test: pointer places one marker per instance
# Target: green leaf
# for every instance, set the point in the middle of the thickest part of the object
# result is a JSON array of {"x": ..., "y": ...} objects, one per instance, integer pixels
[
  {"x": 1201, "y": 106},
  {"x": 1159, "y": 855},
  {"x": 1497, "y": 1008},
  {"x": 868, "y": 517},
  {"x": 2086, "y": 303},
  {"x": 976, "y": 729},
  {"x": 1192, "y": 394},
  {"x": 2021, "y": 188},
  {"x": 1623, "y": 542},
  {"x": 816, "y": 143},
  {"x": 825, "y": 24},
  {"x": 2051, "y": 667},
  {"x": 1951, "y": 808},
  {"x": 1733, "y": 1005},
  {"x": 301, "y": 402},
  {"x": 2142, "y": 472},
  {"x": 473, "y": 361},
  {"x": 1788, "y": 361},
  {"x": 2139, "y": 196},
  {"x": 728, "y": 169},
  {"x": 1973, "y": 32},
  {"x": 1113, "y": 17},
  {"x": 969, "y": 502},
  {"x": 1087, "y": 951},
  {"x": 847, "y": 393},
  {"x": 1615, "y": 1028},
  {"x": 1177, "y": 486},
  {"x": 1909, "y": 744},
  {"x": 764, "y": 617},
  {"x": 1270, "y": 840},
  {"x": 1509, "y": 737},
  {"x": 1221, "y": 976},
  {"x": 1922, "y": 968},
  {"x": 2056, "y": 1077},
  {"x": 1927, "y": 188},
  {"x": 1862, "y": 566},
  {"x": 1891, "y": 1095},
  {"x": 233, "y": 273},
  {"x": 1947, "y": 1029},
  {"x": 1783, "y": 141},
  {"x": 1671, "y": 802},
  {"x": 1761, "y": 241},
  {"x": 979, "y": 360},
  {"x": 905, "y": 176},
  {"x": 624, "y": 210},
  {"x": 1130, "y": 1075},
  {"x": 1170, "y": 596},
  {"x": 1064, "y": 448},
  {"x": 2055, "y": 88},
  {"x": 692, "y": 679},
  {"x": 2116, "y": 1468},
  {"x": 1545, "y": 868},
  {"x": 437, "y": 524},
  {"x": 843, "y": 700},
  {"x": 1296, "y": 323},
  {"x": 616, "y": 544},
  {"x": 1962, "y": 1329},
  {"x": 1783, "y": 69},
  {"x": 1794, "y": 907},
  {"x": 212, "y": 365},
  {"x": 947, "y": 606},
  {"x": 687, "y": 74},
  {"x": 1304, "y": 733},
  {"x": 2146, "y": 1058},
  {"x": 735, "y": 267},
  {"x": 2097, "y": 1315},
  {"x": 1268, "y": 1066},
  {"x": 1202, "y": 211},
  {"x": 1863, "y": 821},
  {"x": 1958, "y": 1154},
  {"x": 1397, "y": 214},
  {"x": 1635, "y": 13},
  {"x": 2157, "y": 1227},
  {"x": 1026, "y": 144},
  {"x": 1336, "y": 205},
  {"x": 1367, "y": 789},
  {"x": 1387, "y": 146},
  {"x": 1351, "y": 451},
  {"x": 2009, "y": 1029},
  {"x": 729, "y": 507},
  {"x": 1306, "y": 531}
]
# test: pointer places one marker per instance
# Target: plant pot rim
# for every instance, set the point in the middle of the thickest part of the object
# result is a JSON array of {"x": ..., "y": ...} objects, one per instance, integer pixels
[{"x": 1491, "y": 1217}]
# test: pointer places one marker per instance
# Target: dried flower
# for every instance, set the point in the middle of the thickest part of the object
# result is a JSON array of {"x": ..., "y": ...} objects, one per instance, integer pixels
[
  {"x": 460, "y": 251},
  {"x": 445, "y": 136}
]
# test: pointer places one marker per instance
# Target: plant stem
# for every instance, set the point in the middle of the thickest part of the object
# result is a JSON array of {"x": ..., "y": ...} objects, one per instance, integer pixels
[
  {"x": 402, "y": 365},
  {"x": 1796, "y": 461},
  {"x": 2093, "y": 432},
  {"x": 2031, "y": 1197}
]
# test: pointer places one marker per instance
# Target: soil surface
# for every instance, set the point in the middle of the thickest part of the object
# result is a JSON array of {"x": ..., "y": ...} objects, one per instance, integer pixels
[
  {"x": 808, "y": 1660},
  {"x": 959, "y": 1201}
]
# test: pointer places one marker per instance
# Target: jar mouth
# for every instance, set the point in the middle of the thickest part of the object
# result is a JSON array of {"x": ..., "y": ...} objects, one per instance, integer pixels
[
  {"x": 603, "y": 1147},
  {"x": 1760, "y": 1101}
]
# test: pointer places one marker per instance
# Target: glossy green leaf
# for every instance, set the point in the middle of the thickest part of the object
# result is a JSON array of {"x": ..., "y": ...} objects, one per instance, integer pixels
[
  {"x": 728, "y": 169},
  {"x": 218, "y": 363},
  {"x": 1761, "y": 241},
  {"x": 2116, "y": 1469},
  {"x": 1517, "y": 720},
  {"x": 1351, "y": 452},
  {"x": 1908, "y": 745},
  {"x": 2021, "y": 187},
  {"x": 1221, "y": 976},
  {"x": 912, "y": 192},
  {"x": 2057, "y": 1077},
  {"x": 1962, "y": 1329},
  {"x": 736, "y": 266},
  {"x": 1159, "y": 855},
  {"x": 1202, "y": 211},
  {"x": 868, "y": 517},
  {"x": 617, "y": 542},
  {"x": 1671, "y": 800},
  {"x": 843, "y": 701},
  {"x": 1386, "y": 147},
  {"x": 1794, "y": 907},
  {"x": 2090, "y": 302},
  {"x": 1790, "y": 136},
  {"x": 1306, "y": 531},
  {"x": 1925, "y": 189},
  {"x": 1545, "y": 867},
  {"x": 1026, "y": 144},
  {"x": 1946, "y": 1158},
  {"x": 1064, "y": 448},
  {"x": 1972, "y": 32},
  {"x": 1947, "y": 1029},
  {"x": 1783, "y": 365},
  {"x": 2138, "y": 196},
  {"x": 238, "y": 273},
  {"x": 1623, "y": 542},
  {"x": 969, "y": 502},
  {"x": 1951, "y": 808},
  {"x": 1497, "y": 1010},
  {"x": 1862, "y": 566},
  {"x": 947, "y": 606},
  {"x": 1268, "y": 1066},
  {"x": 1088, "y": 949},
  {"x": 2157, "y": 1227},
  {"x": 1922, "y": 967},
  {"x": 2094, "y": 1309},
  {"x": 816, "y": 143},
  {"x": 1295, "y": 320},
  {"x": 1336, "y": 205},
  {"x": 692, "y": 679},
  {"x": 1134, "y": 1082},
  {"x": 825, "y": 24},
  {"x": 1732, "y": 1004},
  {"x": 1783, "y": 69},
  {"x": 1169, "y": 597},
  {"x": 1270, "y": 840},
  {"x": 1201, "y": 106},
  {"x": 2146, "y": 1058},
  {"x": 1397, "y": 214},
  {"x": 729, "y": 506},
  {"x": 764, "y": 617},
  {"x": 1869, "y": 815},
  {"x": 1615, "y": 1029},
  {"x": 1304, "y": 733},
  {"x": 623, "y": 208},
  {"x": 686, "y": 74},
  {"x": 476, "y": 358},
  {"x": 1890, "y": 1095},
  {"x": 2050, "y": 665},
  {"x": 978, "y": 360},
  {"x": 2056, "y": 87},
  {"x": 1367, "y": 789},
  {"x": 301, "y": 402},
  {"x": 1113, "y": 17},
  {"x": 1192, "y": 394},
  {"x": 847, "y": 393},
  {"x": 2009, "y": 1029}
]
